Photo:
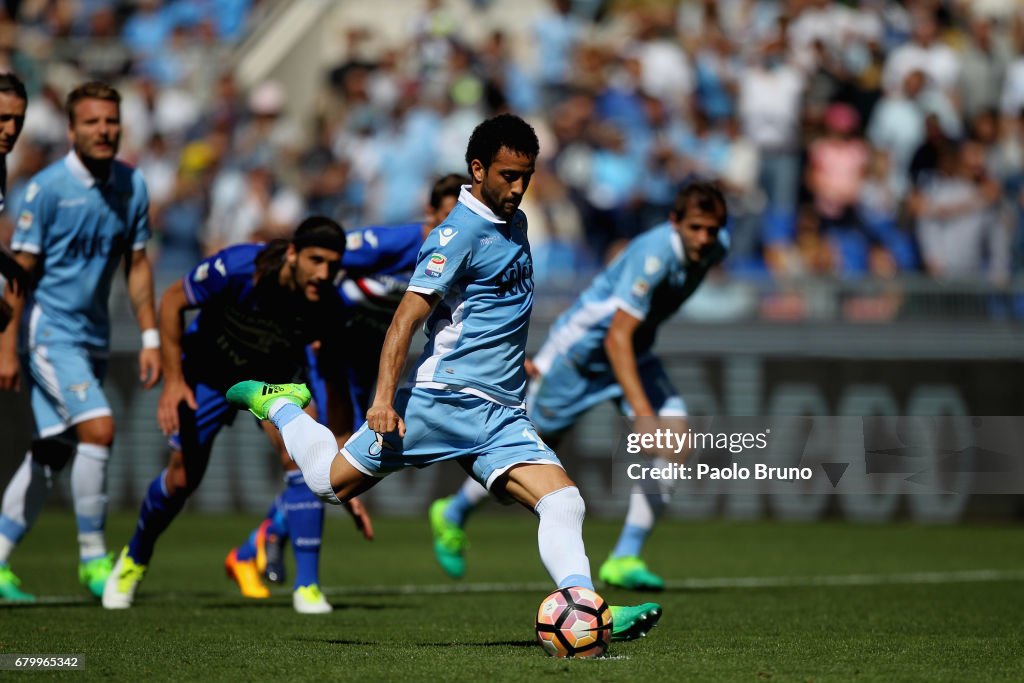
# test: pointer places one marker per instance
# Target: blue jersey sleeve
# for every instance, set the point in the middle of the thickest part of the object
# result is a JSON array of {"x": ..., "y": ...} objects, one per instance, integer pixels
[
  {"x": 388, "y": 249},
  {"x": 644, "y": 267},
  {"x": 219, "y": 273},
  {"x": 444, "y": 259},
  {"x": 34, "y": 215}
]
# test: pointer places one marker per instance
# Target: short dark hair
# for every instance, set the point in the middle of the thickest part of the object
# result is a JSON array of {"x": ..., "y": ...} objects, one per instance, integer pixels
[
  {"x": 448, "y": 186},
  {"x": 93, "y": 90},
  {"x": 9, "y": 83},
  {"x": 705, "y": 196},
  {"x": 504, "y": 130}
]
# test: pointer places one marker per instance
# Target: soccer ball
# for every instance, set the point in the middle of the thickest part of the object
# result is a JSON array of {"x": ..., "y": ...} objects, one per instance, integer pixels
[{"x": 574, "y": 622}]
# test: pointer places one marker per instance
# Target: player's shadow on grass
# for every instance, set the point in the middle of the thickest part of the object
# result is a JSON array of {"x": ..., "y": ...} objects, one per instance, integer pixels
[
  {"x": 489, "y": 643},
  {"x": 62, "y": 604},
  {"x": 334, "y": 641},
  {"x": 263, "y": 604}
]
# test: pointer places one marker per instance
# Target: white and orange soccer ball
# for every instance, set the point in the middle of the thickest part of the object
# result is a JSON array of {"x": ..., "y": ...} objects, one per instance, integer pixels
[{"x": 574, "y": 622}]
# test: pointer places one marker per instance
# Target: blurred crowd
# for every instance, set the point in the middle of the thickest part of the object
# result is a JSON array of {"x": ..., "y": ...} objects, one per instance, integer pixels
[{"x": 864, "y": 138}]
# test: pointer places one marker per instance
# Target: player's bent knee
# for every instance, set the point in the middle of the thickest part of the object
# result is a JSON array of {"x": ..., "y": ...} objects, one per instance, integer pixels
[
  {"x": 566, "y": 503},
  {"x": 99, "y": 431},
  {"x": 54, "y": 453}
]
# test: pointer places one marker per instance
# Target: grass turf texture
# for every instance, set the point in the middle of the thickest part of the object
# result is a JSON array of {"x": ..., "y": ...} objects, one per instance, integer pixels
[{"x": 190, "y": 622}]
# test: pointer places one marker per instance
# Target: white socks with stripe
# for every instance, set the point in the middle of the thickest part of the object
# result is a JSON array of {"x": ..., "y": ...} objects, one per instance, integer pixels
[
  {"x": 89, "y": 492},
  {"x": 560, "y": 537}
]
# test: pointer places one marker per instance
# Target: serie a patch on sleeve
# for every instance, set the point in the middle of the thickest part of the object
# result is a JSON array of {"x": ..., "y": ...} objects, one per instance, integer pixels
[
  {"x": 435, "y": 266},
  {"x": 25, "y": 220}
]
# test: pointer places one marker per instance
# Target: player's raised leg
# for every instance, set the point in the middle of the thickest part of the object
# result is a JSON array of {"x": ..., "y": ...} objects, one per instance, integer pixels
[{"x": 311, "y": 445}]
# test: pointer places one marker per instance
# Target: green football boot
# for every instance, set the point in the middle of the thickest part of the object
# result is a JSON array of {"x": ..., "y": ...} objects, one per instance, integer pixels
[
  {"x": 94, "y": 573},
  {"x": 630, "y": 572},
  {"x": 630, "y": 623},
  {"x": 450, "y": 541},
  {"x": 10, "y": 586},
  {"x": 257, "y": 397}
]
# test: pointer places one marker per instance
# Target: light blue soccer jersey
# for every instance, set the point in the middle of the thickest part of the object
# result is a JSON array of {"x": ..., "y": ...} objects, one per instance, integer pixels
[
  {"x": 80, "y": 230},
  {"x": 482, "y": 269},
  {"x": 650, "y": 280}
]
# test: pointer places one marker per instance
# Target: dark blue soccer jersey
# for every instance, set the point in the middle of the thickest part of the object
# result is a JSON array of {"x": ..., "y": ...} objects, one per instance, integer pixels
[
  {"x": 249, "y": 330},
  {"x": 378, "y": 262}
]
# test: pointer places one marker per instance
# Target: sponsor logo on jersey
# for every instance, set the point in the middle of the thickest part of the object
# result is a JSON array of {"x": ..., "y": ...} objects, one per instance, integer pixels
[
  {"x": 95, "y": 245},
  {"x": 516, "y": 280},
  {"x": 651, "y": 265},
  {"x": 435, "y": 266},
  {"x": 32, "y": 191},
  {"x": 447, "y": 235}
]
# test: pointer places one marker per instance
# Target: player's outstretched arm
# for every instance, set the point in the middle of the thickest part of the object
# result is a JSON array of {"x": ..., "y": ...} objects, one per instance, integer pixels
[
  {"x": 140, "y": 291},
  {"x": 618, "y": 344},
  {"x": 172, "y": 326},
  {"x": 412, "y": 311},
  {"x": 10, "y": 376}
]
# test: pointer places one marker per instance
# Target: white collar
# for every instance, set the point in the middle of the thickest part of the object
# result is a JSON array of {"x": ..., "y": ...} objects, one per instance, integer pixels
[
  {"x": 477, "y": 206},
  {"x": 79, "y": 171},
  {"x": 677, "y": 246}
]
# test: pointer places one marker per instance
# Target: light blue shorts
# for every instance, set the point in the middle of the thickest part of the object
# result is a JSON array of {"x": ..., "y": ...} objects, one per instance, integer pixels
[
  {"x": 556, "y": 400},
  {"x": 486, "y": 438},
  {"x": 66, "y": 386}
]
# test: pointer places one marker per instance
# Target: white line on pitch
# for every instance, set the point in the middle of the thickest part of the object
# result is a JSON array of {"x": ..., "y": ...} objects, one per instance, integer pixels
[
  {"x": 746, "y": 582},
  {"x": 970, "y": 576}
]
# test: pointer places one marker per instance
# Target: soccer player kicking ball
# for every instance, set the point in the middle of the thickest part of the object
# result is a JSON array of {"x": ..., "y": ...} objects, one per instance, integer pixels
[
  {"x": 473, "y": 286},
  {"x": 600, "y": 349},
  {"x": 259, "y": 305}
]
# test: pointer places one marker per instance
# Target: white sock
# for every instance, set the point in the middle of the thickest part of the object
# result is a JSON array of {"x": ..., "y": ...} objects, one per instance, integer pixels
[
  {"x": 313, "y": 448},
  {"x": 649, "y": 499},
  {"x": 89, "y": 492},
  {"x": 560, "y": 537},
  {"x": 22, "y": 502},
  {"x": 474, "y": 491}
]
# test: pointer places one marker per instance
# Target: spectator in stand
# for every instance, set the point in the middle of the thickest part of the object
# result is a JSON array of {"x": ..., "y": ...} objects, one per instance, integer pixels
[
  {"x": 924, "y": 53},
  {"x": 769, "y": 111},
  {"x": 957, "y": 227}
]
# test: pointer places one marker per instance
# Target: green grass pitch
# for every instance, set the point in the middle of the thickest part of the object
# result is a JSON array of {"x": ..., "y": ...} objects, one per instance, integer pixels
[{"x": 748, "y": 601}]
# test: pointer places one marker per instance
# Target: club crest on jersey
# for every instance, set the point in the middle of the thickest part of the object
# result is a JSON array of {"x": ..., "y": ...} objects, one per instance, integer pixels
[{"x": 435, "y": 266}]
